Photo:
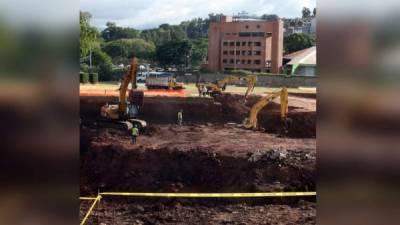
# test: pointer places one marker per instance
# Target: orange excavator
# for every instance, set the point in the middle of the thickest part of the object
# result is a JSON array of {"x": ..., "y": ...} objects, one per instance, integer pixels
[{"x": 125, "y": 113}]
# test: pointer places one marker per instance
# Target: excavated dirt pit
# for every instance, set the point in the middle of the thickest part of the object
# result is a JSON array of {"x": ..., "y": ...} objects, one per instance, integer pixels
[
  {"x": 226, "y": 108},
  {"x": 206, "y": 154}
]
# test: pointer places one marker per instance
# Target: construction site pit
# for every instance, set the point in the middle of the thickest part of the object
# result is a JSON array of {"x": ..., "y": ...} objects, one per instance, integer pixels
[{"x": 210, "y": 152}]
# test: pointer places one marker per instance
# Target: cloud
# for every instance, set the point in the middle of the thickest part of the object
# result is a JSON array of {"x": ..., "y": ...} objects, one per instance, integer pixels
[{"x": 143, "y": 14}]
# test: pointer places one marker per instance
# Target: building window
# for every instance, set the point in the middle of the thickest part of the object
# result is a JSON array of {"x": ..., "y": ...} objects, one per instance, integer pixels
[
  {"x": 251, "y": 34},
  {"x": 243, "y": 52},
  {"x": 237, "y": 61},
  {"x": 257, "y": 52},
  {"x": 257, "y": 43},
  {"x": 257, "y": 62},
  {"x": 234, "y": 33},
  {"x": 228, "y": 33},
  {"x": 247, "y": 26},
  {"x": 224, "y": 60},
  {"x": 257, "y": 34},
  {"x": 227, "y": 68},
  {"x": 249, "y": 61},
  {"x": 225, "y": 52},
  {"x": 225, "y": 43},
  {"x": 243, "y": 43},
  {"x": 232, "y": 43},
  {"x": 243, "y": 61},
  {"x": 231, "y": 52},
  {"x": 237, "y": 52},
  {"x": 231, "y": 61},
  {"x": 238, "y": 43},
  {"x": 269, "y": 34},
  {"x": 258, "y": 25},
  {"x": 249, "y": 53},
  {"x": 244, "y": 34},
  {"x": 250, "y": 44}
]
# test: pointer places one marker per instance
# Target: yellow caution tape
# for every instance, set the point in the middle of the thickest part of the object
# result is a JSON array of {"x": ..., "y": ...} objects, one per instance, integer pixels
[
  {"x": 212, "y": 195},
  {"x": 87, "y": 198},
  {"x": 192, "y": 195},
  {"x": 97, "y": 199}
]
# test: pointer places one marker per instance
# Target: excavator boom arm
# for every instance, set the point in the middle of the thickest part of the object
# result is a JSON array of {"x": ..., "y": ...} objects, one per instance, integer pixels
[
  {"x": 251, "y": 121},
  {"x": 131, "y": 75},
  {"x": 251, "y": 83},
  {"x": 227, "y": 79}
]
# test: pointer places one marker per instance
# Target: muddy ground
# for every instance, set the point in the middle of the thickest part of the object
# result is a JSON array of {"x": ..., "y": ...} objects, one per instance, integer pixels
[
  {"x": 206, "y": 154},
  {"x": 179, "y": 213}
]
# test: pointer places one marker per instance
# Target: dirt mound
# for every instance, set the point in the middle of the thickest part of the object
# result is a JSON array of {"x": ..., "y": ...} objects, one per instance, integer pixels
[
  {"x": 300, "y": 123},
  {"x": 233, "y": 105},
  {"x": 110, "y": 168}
]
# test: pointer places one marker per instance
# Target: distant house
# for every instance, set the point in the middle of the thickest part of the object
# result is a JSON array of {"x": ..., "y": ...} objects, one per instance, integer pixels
[
  {"x": 299, "y": 25},
  {"x": 303, "y": 62}
]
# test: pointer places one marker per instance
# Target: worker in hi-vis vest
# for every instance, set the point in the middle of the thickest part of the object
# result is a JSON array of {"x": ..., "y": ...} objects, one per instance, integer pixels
[{"x": 135, "y": 133}]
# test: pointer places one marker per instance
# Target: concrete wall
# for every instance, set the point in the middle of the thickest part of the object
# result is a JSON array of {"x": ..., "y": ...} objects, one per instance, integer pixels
[{"x": 265, "y": 81}]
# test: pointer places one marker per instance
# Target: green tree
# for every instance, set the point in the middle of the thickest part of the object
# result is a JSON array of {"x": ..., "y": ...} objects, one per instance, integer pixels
[
  {"x": 199, "y": 52},
  {"x": 270, "y": 17},
  {"x": 88, "y": 34},
  {"x": 215, "y": 17},
  {"x": 102, "y": 63},
  {"x": 113, "y": 32},
  {"x": 306, "y": 13},
  {"x": 124, "y": 48},
  {"x": 296, "y": 42},
  {"x": 163, "y": 34},
  {"x": 174, "y": 53}
]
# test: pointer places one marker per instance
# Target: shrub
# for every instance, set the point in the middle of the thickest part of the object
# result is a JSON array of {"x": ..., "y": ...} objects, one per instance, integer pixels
[
  {"x": 103, "y": 64},
  {"x": 205, "y": 70},
  {"x": 117, "y": 73},
  {"x": 238, "y": 72},
  {"x": 84, "y": 67},
  {"x": 94, "y": 78},
  {"x": 84, "y": 77}
]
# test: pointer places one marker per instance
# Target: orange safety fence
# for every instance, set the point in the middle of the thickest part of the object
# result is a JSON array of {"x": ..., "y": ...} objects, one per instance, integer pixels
[{"x": 152, "y": 92}]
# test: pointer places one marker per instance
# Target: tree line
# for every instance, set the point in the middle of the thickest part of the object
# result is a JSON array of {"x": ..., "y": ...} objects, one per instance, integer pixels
[{"x": 182, "y": 46}]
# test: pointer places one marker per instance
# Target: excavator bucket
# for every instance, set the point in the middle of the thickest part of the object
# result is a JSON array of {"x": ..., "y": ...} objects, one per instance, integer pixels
[{"x": 135, "y": 97}]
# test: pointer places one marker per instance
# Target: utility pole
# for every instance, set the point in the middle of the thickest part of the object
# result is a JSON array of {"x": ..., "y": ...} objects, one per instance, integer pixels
[{"x": 90, "y": 57}]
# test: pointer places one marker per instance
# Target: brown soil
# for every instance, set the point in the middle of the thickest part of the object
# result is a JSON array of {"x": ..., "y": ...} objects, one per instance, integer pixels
[
  {"x": 207, "y": 154},
  {"x": 226, "y": 108},
  {"x": 177, "y": 213}
]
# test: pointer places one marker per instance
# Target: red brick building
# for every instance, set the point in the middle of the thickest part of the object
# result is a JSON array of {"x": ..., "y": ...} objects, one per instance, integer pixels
[{"x": 254, "y": 45}]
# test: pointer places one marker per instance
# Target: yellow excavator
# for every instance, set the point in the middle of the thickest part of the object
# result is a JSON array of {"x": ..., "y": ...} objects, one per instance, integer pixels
[
  {"x": 214, "y": 89},
  {"x": 125, "y": 113},
  {"x": 251, "y": 121}
]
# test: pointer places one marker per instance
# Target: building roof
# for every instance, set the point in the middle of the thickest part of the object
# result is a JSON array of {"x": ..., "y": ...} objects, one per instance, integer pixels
[{"x": 306, "y": 56}]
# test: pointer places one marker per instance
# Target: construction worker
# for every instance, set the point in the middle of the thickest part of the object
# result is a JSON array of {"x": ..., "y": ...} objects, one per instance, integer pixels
[
  {"x": 180, "y": 117},
  {"x": 204, "y": 90},
  {"x": 135, "y": 133}
]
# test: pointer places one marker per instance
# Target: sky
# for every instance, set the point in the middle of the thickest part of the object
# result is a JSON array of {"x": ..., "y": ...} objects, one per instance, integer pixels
[{"x": 145, "y": 14}]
